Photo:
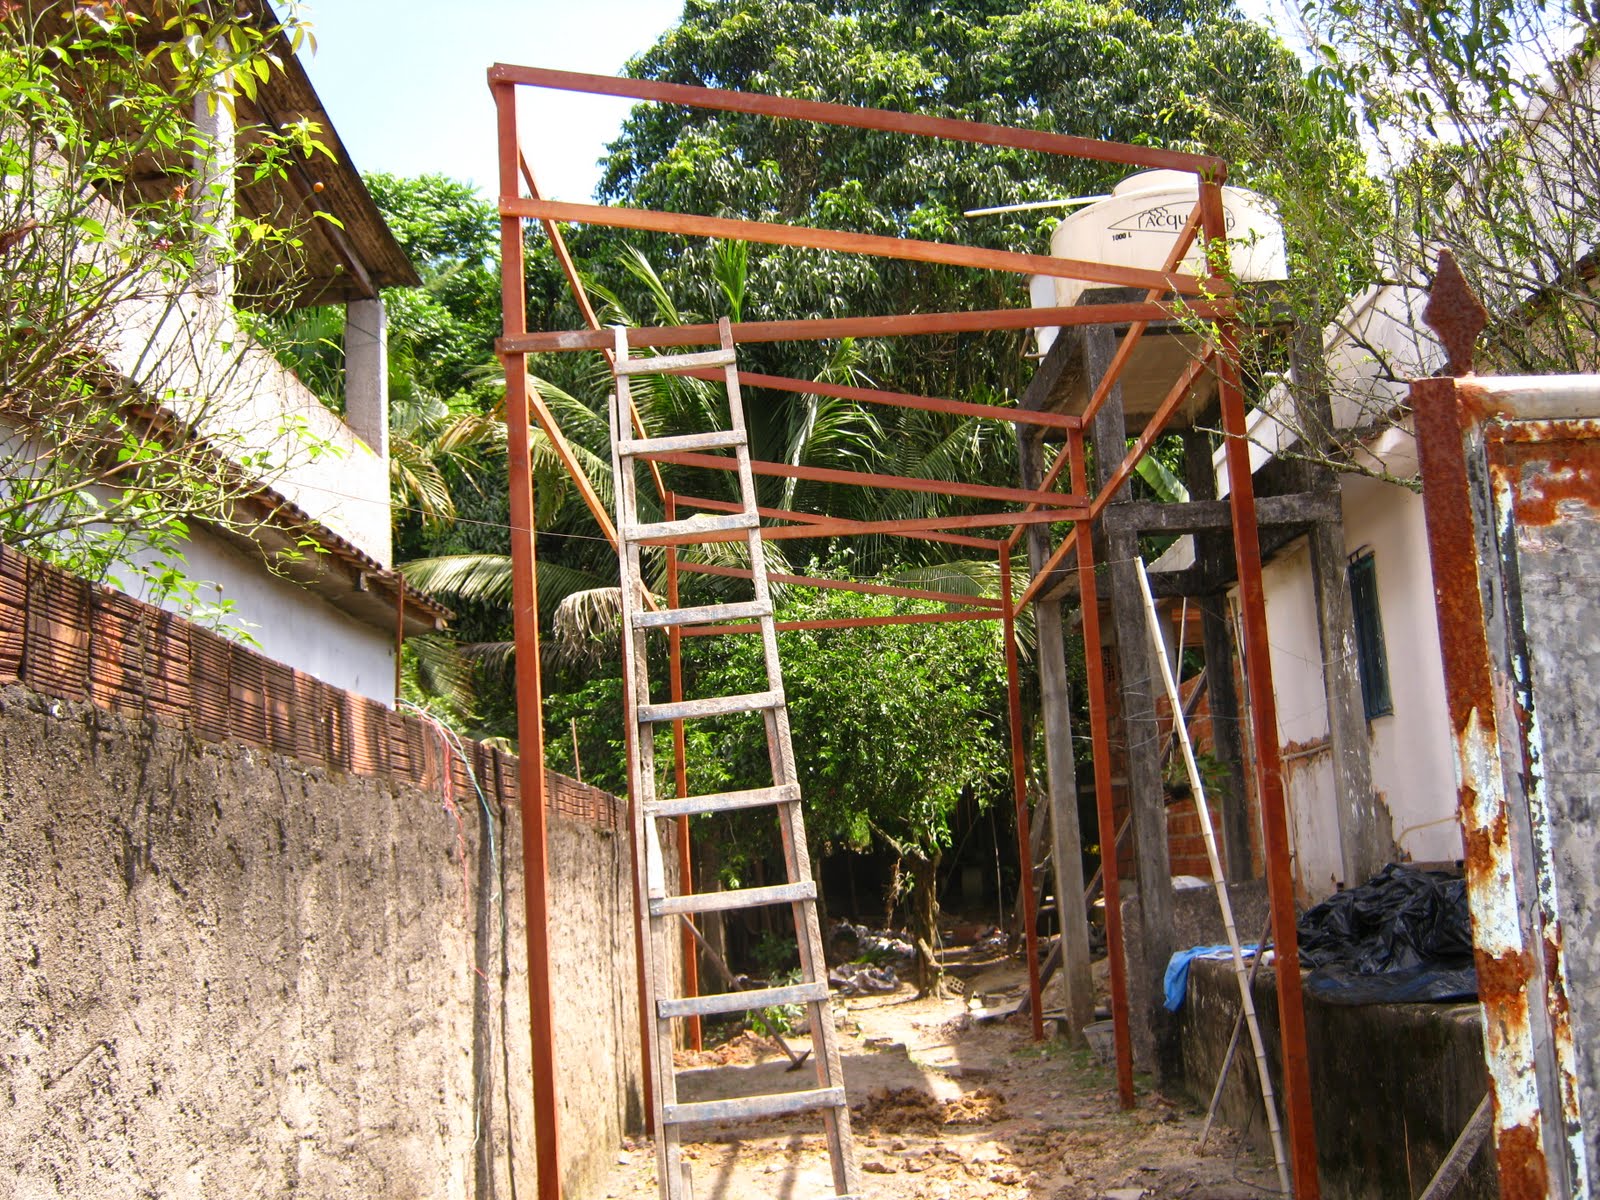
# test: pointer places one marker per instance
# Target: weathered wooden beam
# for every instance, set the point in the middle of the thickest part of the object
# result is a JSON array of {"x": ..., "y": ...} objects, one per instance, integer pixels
[
  {"x": 1205, "y": 516},
  {"x": 1152, "y": 861},
  {"x": 1066, "y": 847}
]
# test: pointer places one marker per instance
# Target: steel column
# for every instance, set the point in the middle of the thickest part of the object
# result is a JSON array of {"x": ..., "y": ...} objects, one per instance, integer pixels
[
  {"x": 1019, "y": 795},
  {"x": 530, "y": 707},
  {"x": 1264, "y": 725}
]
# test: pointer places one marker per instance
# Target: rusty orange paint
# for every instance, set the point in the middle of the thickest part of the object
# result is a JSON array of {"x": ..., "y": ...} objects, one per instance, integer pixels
[
  {"x": 1523, "y": 1175},
  {"x": 1570, "y": 475}
]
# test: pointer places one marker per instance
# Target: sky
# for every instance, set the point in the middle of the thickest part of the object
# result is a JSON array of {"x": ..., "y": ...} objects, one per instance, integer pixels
[{"x": 403, "y": 81}]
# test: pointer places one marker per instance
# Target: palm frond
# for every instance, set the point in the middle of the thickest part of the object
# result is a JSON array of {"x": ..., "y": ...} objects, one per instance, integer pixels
[
  {"x": 963, "y": 577},
  {"x": 437, "y": 675}
]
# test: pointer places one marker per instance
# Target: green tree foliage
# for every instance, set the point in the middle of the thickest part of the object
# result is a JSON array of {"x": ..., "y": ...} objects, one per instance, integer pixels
[
  {"x": 1184, "y": 76},
  {"x": 1483, "y": 120}
]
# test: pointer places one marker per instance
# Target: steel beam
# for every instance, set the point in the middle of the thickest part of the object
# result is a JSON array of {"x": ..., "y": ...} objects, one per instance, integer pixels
[
  {"x": 1264, "y": 726},
  {"x": 771, "y": 233},
  {"x": 823, "y": 329},
  {"x": 849, "y": 115},
  {"x": 530, "y": 706}
]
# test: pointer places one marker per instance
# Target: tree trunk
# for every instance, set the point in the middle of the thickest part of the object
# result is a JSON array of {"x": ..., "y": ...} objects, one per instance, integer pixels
[{"x": 925, "y": 920}]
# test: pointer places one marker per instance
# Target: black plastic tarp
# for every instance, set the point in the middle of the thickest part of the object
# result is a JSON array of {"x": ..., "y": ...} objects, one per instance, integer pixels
[{"x": 1404, "y": 935}]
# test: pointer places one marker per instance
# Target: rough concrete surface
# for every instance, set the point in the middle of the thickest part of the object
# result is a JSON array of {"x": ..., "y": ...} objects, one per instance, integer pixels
[
  {"x": 226, "y": 974},
  {"x": 1392, "y": 1085}
]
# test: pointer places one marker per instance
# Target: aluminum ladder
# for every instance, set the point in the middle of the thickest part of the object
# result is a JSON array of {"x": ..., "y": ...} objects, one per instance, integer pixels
[{"x": 664, "y": 909}]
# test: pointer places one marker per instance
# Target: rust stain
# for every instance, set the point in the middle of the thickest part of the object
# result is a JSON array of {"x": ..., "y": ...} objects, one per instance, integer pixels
[
  {"x": 1523, "y": 1174},
  {"x": 1477, "y": 404},
  {"x": 1504, "y": 977},
  {"x": 1546, "y": 482}
]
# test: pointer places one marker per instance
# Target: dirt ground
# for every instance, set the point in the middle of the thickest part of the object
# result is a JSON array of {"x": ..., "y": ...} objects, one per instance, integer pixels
[{"x": 947, "y": 1107}]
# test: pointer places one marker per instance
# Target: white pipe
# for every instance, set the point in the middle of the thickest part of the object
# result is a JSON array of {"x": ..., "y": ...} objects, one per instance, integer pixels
[
  {"x": 1069, "y": 202},
  {"x": 1246, "y": 1000}
]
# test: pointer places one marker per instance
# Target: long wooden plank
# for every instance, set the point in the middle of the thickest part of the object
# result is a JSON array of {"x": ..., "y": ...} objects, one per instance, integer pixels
[
  {"x": 712, "y": 706},
  {"x": 729, "y": 1002},
  {"x": 749, "y": 1108},
  {"x": 699, "y": 615},
  {"x": 851, "y": 116},
  {"x": 939, "y": 404},
  {"x": 810, "y": 237},
  {"x": 782, "y": 893},
  {"x": 899, "y": 325},
  {"x": 689, "y": 806},
  {"x": 662, "y": 364},
  {"x": 691, "y": 528},
  {"x": 717, "y": 439}
]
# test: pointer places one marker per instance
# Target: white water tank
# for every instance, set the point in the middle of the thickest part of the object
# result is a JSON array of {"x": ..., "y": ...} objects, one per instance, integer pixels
[{"x": 1137, "y": 225}]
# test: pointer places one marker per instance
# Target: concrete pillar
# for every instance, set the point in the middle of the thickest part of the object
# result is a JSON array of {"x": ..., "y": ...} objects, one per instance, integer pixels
[
  {"x": 1214, "y": 555},
  {"x": 215, "y": 188},
  {"x": 366, "y": 373},
  {"x": 1066, "y": 848},
  {"x": 1136, "y": 670}
]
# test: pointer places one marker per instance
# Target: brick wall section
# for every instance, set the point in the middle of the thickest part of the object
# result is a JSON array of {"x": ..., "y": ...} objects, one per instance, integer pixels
[
  {"x": 1185, "y": 845},
  {"x": 72, "y": 640}
]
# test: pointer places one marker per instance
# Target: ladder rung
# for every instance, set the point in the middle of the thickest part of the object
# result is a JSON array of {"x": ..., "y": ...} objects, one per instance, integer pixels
[
  {"x": 721, "y": 439},
  {"x": 782, "y": 893},
  {"x": 657, "y": 363},
  {"x": 700, "y": 524},
  {"x": 689, "y": 806},
  {"x": 712, "y": 706},
  {"x": 727, "y": 1002},
  {"x": 749, "y": 1108},
  {"x": 703, "y": 615}
]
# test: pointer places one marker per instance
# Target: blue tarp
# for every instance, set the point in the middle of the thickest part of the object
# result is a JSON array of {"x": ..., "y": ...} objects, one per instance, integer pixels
[{"x": 1176, "y": 982}]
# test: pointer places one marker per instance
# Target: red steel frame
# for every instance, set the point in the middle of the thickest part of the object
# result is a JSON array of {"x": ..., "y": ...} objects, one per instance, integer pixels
[{"x": 1207, "y": 298}]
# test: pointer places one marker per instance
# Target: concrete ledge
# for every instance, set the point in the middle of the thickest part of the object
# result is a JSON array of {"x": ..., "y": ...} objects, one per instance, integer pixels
[{"x": 1392, "y": 1085}]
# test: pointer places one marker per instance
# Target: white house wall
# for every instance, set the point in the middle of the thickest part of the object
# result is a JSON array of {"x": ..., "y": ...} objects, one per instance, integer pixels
[
  {"x": 289, "y": 623},
  {"x": 1412, "y": 764},
  {"x": 1302, "y": 719},
  {"x": 1412, "y": 770}
]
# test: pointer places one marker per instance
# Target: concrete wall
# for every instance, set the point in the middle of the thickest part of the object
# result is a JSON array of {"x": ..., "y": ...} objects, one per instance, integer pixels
[
  {"x": 227, "y": 973},
  {"x": 1392, "y": 1085}
]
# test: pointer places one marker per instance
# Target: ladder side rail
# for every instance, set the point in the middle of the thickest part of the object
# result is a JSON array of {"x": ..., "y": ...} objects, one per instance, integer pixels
[
  {"x": 641, "y": 771},
  {"x": 797, "y": 857}
]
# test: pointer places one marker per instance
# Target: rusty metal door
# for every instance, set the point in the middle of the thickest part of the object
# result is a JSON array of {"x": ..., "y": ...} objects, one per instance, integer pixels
[{"x": 1511, "y": 484}]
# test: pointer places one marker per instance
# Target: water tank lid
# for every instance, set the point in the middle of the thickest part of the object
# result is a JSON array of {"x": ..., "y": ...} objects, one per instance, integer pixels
[{"x": 1156, "y": 181}]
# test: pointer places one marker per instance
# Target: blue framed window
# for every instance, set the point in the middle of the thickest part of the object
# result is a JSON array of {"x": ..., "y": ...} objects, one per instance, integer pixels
[{"x": 1372, "y": 663}]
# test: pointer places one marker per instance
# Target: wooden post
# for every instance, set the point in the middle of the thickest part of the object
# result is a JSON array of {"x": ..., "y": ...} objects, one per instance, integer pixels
[
  {"x": 1066, "y": 853},
  {"x": 1214, "y": 556},
  {"x": 1135, "y": 670},
  {"x": 1366, "y": 841}
]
